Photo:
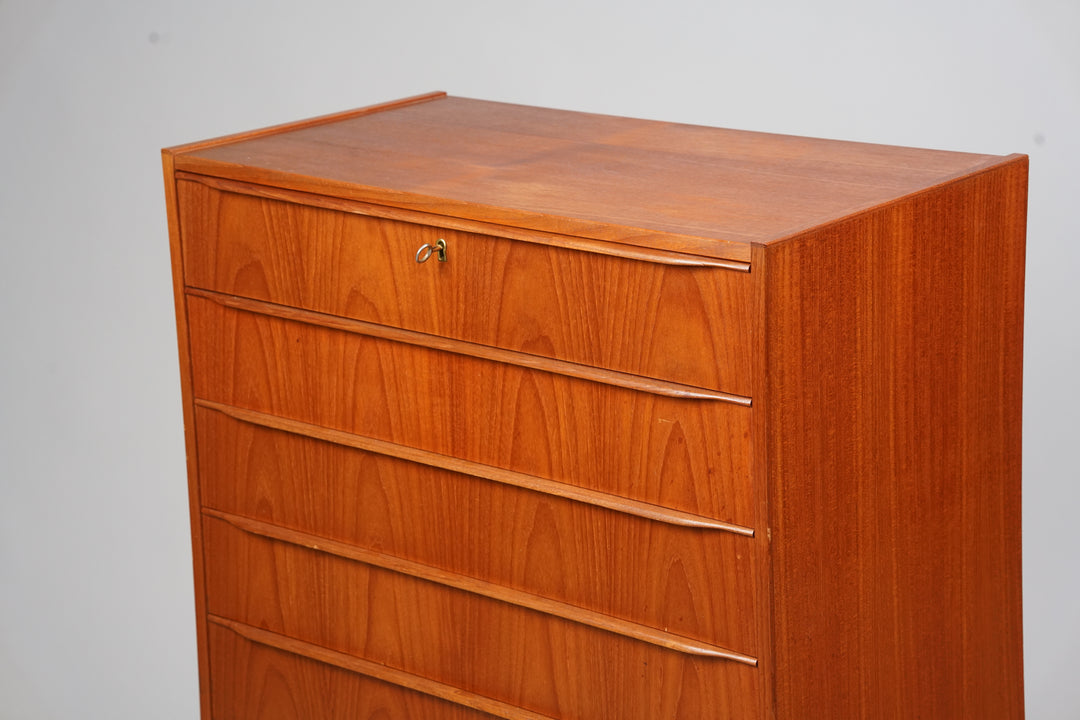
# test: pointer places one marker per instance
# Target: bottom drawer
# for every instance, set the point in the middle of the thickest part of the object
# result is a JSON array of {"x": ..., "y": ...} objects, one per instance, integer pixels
[
  {"x": 253, "y": 681},
  {"x": 522, "y": 657}
]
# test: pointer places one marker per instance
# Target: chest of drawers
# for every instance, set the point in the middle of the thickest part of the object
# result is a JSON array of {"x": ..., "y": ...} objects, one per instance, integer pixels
[{"x": 495, "y": 411}]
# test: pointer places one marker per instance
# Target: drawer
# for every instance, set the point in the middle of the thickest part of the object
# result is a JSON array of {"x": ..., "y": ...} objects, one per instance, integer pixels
[
  {"x": 256, "y": 681},
  {"x": 690, "y": 581},
  {"x": 494, "y": 649},
  {"x": 688, "y": 454},
  {"x": 689, "y": 325}
]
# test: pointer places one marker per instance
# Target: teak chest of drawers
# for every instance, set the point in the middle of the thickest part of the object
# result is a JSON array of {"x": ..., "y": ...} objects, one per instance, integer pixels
[{"x": 496, "y": 411}]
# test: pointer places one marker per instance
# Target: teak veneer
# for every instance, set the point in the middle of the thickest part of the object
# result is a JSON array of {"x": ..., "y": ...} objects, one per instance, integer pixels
[{"x": 690, "y": 423}]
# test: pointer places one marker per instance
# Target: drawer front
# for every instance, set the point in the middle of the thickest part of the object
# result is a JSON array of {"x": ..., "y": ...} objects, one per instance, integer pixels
[
  {"x": 692, "y": 582},
  {"x": 683, "y": 324},
  {"x": 497, "y": 650},
  {"x": 692, "y": 455},
  {"x": 253, "y": 681}
]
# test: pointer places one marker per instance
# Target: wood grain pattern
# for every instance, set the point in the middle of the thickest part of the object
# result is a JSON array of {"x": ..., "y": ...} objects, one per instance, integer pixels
[
  {"x": 259, "y": 681},
  {"x": 604, "y": 438},
  {"x": 700, "y": 190},
  {"x": 893, "y": 404},
  {"x": 687, "y": 325},
  {"x": 570, "y": 242},
  {"x": 695, "y": 583},
  {"x": 460, "y": 347},
  {"x": 493, "y": 591},
  {"x": 480, "y": 645},
  {"x": 761, "y": 550},
  {"x": 554, "y": 488},
  {"x": 678, "y": 389}
]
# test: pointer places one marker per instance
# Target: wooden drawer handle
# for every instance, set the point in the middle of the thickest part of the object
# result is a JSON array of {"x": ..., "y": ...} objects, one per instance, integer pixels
[
  {"x": 475, "y": 586},
  {"x": 425, "y": 251}
]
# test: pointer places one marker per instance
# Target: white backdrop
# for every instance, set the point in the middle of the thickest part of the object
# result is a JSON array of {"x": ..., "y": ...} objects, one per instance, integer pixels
[{"x": 96, "y": 614}]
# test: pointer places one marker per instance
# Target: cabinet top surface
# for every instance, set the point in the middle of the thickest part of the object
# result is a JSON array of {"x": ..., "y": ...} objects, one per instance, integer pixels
[{"x": 690, "y": 188}]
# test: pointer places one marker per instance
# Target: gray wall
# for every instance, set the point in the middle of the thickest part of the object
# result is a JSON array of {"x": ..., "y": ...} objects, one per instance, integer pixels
[{"x": 96, "y": 616}]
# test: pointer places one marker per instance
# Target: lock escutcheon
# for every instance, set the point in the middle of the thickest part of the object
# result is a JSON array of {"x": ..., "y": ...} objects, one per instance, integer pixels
[{"x": 427, "y": 249}]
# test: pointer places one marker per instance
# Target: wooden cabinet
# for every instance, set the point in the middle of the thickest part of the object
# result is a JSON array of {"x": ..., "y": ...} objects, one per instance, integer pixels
[{"x": 497, "y": 411}]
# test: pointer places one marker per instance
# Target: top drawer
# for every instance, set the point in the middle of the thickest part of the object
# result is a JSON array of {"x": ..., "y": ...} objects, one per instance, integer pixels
[{"x": 679, "y": 323}]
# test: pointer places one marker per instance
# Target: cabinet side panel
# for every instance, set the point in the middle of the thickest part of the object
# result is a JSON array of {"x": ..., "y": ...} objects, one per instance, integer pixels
[
  {"x": 894, "y": 350},
  {"x": 188, "y": 400}
]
